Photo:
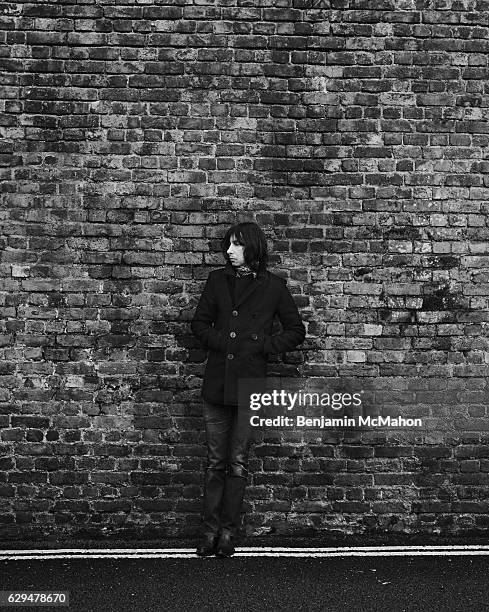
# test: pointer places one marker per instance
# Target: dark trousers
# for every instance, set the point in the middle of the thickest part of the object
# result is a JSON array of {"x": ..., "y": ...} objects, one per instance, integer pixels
[{"x": 227, "y": 434}]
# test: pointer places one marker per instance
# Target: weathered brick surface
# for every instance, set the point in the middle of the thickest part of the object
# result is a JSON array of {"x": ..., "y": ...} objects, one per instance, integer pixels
[{"x": 132, "y": 134}]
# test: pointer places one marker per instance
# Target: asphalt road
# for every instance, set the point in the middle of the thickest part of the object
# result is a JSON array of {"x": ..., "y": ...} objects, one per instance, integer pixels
[{"x": 392, "y": 584}]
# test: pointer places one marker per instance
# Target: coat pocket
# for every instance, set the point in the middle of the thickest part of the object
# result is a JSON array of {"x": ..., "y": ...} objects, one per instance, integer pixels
[{"x": 252, "y": 343}]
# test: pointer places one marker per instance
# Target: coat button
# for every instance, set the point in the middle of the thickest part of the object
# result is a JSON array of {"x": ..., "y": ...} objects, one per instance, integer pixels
[
  {"x": 254, "y": 337},
  {"x": 230, "y": 356},
  {"x": 235, "y": 313},
  {"x": 233, "y": 334}
]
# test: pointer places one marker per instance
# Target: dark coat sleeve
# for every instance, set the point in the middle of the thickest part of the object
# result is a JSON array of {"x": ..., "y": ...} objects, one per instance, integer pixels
[
  {"x": 204, "y": 319},
  {"x": 293, "y": 332}
]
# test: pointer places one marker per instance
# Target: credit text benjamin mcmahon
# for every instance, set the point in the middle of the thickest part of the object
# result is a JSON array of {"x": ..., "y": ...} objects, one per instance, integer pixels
[{"x": 322, "y": 422}]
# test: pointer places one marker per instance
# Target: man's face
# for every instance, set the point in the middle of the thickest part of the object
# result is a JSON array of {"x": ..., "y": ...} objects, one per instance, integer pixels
[{"x": 236, "y": 252}]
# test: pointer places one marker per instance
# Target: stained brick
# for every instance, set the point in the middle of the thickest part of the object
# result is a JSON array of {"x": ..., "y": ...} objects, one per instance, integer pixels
[{"x": 132, "y": 136}]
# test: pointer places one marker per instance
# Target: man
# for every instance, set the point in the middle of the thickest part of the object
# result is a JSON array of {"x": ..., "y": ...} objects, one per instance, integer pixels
[{"x": 233, "y": 321}]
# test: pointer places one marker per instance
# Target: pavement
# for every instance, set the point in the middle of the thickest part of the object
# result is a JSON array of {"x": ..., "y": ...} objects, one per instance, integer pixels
[{"x": 446, "y": 582}]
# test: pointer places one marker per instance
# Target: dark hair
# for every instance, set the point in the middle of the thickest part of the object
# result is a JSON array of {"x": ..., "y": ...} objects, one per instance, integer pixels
[{"x": 252, "y": 237}]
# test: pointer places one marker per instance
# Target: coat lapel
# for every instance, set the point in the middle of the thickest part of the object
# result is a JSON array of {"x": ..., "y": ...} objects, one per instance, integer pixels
[
  {"x": 252, "y": 288},
  {"x": 257, "y": 284},
  {"x": 229, "y": 270}
]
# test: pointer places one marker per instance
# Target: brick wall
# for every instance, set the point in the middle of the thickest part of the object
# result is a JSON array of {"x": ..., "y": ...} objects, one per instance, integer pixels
[{"x": 132, "y": 134}]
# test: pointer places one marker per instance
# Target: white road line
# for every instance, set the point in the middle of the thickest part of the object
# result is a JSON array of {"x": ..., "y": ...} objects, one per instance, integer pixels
[
  {"x": 252, "y": 551},
  {"x": 87, "y": 551}
]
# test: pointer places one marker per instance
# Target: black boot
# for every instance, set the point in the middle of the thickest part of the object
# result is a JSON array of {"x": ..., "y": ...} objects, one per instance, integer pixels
[
  {"x": 225, "y": 545},
  {"x": 230, "y": 516},
  {"x": 213, "y": 494},
  {"x": 207, "y": 545}
]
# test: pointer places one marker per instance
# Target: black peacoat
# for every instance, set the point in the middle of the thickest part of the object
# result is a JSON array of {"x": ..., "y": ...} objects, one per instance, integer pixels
[{"x": 238, "y": 337}]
